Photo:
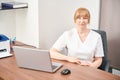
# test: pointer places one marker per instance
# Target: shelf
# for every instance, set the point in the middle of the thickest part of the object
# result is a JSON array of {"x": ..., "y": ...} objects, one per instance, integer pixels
[
  {"x": 13, "y": 8},
  {"x": 13, "y": 5}
]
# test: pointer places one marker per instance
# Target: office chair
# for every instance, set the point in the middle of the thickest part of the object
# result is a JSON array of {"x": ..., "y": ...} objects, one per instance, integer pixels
[{"x": 105, "y": 63}]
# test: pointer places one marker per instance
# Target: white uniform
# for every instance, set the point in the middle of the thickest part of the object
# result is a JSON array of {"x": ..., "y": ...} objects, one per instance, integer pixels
[{"x": 87, "y": 50}]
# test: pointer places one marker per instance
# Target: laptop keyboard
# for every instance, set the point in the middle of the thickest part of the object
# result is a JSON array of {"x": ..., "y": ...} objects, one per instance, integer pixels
[{"x": 54, "y": 66}]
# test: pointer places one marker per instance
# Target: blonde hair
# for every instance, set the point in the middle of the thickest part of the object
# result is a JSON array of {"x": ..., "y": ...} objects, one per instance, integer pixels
[{"x": 82, "y": 12}]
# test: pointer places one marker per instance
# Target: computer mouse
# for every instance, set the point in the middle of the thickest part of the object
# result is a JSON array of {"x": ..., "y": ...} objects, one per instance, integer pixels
[{"x": 65, "y": 71}]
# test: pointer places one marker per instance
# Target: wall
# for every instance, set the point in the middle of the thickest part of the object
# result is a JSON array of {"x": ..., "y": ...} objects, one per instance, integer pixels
[
  {"x": 44, "y": 21},
  {"x": 56, "y": 16},
  {"x": 110, "y": 15},
  {"x": 7, "y": 21},
  {"x": 22, "y": 23},
  {"x": 27, "y": 29}
]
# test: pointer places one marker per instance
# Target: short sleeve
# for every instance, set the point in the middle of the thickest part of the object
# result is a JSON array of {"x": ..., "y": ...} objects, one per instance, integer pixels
[
  {"x": 60, "y": 44},
  {"x": 99, "y": 48}
]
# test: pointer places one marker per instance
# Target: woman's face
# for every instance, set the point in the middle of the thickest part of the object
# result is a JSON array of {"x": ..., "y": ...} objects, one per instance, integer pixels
[{"x": 81, "y": 22}]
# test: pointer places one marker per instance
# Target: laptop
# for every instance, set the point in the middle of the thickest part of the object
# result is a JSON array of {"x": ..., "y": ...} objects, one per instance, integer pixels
[
  {"x": 35, "y": 59},
  {"x": 4, "y": 53}
]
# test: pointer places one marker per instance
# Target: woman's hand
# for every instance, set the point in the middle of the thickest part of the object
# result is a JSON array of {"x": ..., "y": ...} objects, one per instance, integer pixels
[
  {"x": 73, "y": 60},
  {"x": 57, "y": 55},
  {"x": 85, "y": 63},
  {"x": 96, "y": 63}
]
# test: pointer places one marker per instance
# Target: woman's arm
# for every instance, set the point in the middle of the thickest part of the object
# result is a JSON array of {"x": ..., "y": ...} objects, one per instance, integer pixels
[
  {"x": 97, "y": 62},
  {"x": 55, "y": 54}
]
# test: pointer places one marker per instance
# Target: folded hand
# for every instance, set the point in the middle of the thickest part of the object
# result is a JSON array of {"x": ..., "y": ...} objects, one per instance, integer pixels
[
  {"x": 85, "y": 63},
  {"x": 73, "y": 60}
]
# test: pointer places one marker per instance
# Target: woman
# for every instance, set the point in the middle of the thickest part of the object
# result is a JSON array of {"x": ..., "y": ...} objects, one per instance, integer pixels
[{"x": 84, "y": 45}]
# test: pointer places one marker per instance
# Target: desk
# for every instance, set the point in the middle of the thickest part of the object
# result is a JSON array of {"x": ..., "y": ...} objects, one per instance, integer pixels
[{"x": 10, "y": 71}]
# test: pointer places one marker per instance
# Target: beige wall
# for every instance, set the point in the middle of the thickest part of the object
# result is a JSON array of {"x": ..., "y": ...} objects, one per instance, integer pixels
[
  {"x": 27, "y": 25},
  {"x": 110, "y": 22},
  {"x": 7, "y": 21},
  {"x": 44, "y": 21},
  {"x": 56, "y": 16}
]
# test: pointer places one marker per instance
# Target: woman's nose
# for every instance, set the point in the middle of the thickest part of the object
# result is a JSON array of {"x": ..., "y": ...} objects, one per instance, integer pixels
[{"x": 81, "y": 20}]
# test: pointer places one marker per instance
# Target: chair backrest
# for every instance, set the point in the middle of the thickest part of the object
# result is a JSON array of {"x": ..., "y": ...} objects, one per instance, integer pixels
[{"x": 104, "y": 41}]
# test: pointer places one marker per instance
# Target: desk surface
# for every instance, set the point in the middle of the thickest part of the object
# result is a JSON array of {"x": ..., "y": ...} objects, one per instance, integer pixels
[{"x": 10, "y": 71}]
